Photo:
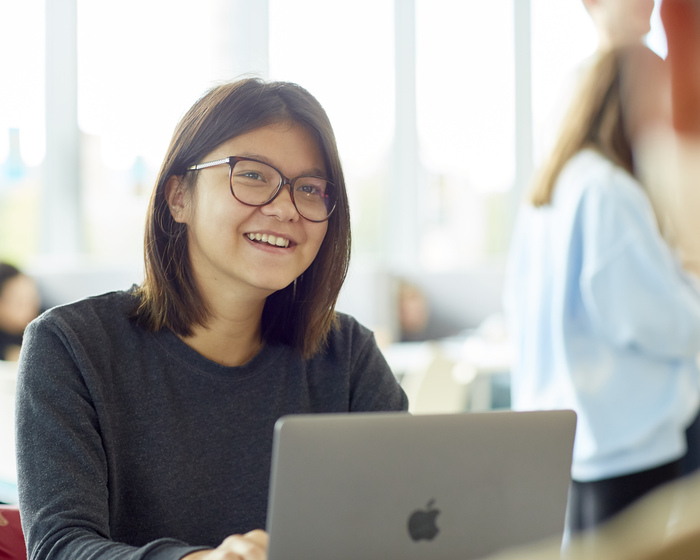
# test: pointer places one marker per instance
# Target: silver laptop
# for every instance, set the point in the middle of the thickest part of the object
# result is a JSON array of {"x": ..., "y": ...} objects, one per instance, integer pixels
[{"x": 384, "y": 486}]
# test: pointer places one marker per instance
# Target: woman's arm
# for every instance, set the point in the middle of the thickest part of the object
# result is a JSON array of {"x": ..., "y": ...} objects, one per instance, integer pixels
[
  {"x": 681, "y": 19},
  {"x": 62, "y": 466},
  {"x": 670, "y": 155},
  {"x": 633, "y": 288}
]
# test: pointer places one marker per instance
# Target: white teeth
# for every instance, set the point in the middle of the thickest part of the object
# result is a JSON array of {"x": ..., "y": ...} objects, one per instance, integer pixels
[{"x": 270, "y": 239}]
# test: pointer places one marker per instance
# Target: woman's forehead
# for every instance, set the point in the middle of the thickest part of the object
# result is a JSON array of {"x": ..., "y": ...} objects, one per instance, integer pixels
[{"x": 280, "y": 144}]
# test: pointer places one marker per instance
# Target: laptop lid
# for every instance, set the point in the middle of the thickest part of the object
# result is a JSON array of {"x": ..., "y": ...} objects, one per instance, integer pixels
[{"x": 391, "y": 485}]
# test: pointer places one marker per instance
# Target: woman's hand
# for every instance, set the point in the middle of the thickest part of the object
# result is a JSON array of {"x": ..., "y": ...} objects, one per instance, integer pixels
[{"x": 251, "y": 546}]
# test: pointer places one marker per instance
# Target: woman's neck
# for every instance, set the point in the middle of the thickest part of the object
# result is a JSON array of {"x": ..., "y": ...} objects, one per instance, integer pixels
[{"x": 232, "y": 335}]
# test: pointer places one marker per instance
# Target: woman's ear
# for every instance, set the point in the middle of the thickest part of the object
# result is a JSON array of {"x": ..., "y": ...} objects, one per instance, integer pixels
[{"x": 175, "y": 196}]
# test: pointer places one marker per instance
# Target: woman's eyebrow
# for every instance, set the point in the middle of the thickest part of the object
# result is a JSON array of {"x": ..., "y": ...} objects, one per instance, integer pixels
[
  {"x": 253, "y": 155},
  {"x": 260, "y": 157}
]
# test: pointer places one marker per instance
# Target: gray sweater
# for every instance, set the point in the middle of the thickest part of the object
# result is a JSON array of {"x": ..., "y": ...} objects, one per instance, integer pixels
[{"x": 131, "y": 445}]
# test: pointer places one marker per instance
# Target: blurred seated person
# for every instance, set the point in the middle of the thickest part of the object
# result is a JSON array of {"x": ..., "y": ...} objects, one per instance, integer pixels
[
  {"x": 419, "y": 319},
  {"x": 414, "y": 312},
  {"x": 19, "y": 304}
]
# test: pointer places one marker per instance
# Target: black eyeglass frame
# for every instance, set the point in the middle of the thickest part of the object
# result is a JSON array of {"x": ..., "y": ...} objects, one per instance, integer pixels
[{"x": 231, "y": 161}]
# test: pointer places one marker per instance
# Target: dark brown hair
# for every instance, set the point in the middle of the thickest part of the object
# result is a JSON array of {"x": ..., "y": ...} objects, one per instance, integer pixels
[
  {"x": 7, "y": 272},
  {"x": 595, "y": 120},
  {"x": 300, "y": 315}
]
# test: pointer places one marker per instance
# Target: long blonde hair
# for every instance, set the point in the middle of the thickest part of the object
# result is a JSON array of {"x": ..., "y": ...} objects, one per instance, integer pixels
[{"x": 594, "y": 120}]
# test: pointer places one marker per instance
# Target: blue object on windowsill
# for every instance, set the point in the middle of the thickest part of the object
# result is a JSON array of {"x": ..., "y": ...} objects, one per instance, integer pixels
[{"x": 8, "y": 492}]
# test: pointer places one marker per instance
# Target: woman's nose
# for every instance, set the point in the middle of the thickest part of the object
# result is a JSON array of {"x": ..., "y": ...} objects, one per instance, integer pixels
[{"x": 282, "y": 206}]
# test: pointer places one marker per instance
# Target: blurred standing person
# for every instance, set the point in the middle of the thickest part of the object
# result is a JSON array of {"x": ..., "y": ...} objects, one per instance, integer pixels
[
  {"x": 603, "y": 318},
  {"x": 19, "y": 304}
]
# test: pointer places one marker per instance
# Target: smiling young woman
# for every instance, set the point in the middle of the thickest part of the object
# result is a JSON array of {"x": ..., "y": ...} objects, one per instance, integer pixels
[
  {"x": 170, "y": 296},
  {"x": 235, "y": 274},
  {"x": 145, "y": 417}
]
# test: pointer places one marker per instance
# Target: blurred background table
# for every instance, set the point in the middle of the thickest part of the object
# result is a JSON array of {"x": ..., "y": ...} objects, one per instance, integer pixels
[{"x": 467, "y": 372}]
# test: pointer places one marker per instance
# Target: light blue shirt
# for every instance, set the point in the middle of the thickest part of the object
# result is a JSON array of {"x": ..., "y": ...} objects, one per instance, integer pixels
[{"x": 604, "y": 321}]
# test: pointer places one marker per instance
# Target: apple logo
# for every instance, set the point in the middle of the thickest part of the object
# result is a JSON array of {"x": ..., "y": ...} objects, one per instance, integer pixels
[{"x": 421, "y": 523}]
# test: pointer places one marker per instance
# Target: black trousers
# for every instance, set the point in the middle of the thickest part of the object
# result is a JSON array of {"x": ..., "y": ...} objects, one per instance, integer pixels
[
  {"x": 592, "y": 503},
  {"x": 691, "y": 462}
]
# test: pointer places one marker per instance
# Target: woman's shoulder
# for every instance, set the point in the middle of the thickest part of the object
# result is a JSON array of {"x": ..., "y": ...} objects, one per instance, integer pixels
[
  {"x": 608, "y": 205},
  {"x": 592, "y": 178},
  {"x": 592, "y": 170},
  {"x": 347, "y": 335},
  {"x": 100, "y": 311},
  {"x": 346, "y": 327},
  {"x": 94, "y": 329}
]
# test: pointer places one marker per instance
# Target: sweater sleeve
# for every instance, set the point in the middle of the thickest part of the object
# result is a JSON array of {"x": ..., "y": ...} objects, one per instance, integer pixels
[
  {"x": 633, "y": 287},
  {"x": 61, "y": 462}
]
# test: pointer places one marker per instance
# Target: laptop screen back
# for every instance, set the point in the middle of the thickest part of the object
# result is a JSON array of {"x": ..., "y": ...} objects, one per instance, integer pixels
[{"x": 392, "y": 485}]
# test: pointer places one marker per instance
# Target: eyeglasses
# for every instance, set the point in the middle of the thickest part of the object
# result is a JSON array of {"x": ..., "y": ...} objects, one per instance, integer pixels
[{"x": 255, "y": 183}]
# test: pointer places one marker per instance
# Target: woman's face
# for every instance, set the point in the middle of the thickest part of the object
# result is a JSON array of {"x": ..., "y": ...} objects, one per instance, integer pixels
[
  {"x": 222, "y": 255},
  {"x": 19, "y": 304}
]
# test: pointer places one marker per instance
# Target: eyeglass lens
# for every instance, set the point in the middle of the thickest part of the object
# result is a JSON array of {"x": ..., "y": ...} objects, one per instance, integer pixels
[{"x": 255, "y": 183}]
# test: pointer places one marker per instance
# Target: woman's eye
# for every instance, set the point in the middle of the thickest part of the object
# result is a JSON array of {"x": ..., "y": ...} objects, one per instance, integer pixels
[
  {"x": 308, "y": 189},
  {"x": 311, "y": 190}
]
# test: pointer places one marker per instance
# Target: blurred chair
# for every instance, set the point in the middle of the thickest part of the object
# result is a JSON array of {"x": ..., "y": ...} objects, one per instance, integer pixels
[
  {"x": 686, "y": 547},
  {"x": 431, "y": 386},
  {"x": 664, "y": 525},
  {"x": 12, "y": 545}
]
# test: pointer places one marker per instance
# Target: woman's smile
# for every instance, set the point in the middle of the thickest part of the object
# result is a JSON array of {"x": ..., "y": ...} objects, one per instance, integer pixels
[{"x": 274, "y": 240}]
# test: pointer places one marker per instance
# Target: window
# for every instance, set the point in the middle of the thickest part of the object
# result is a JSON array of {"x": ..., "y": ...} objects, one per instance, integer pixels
[
  {"x": 142, "y": 64},
  {"x": 22, "y": 136},
  {"x": 466, "y": 116},
  {"x": 140, "y": 67}
]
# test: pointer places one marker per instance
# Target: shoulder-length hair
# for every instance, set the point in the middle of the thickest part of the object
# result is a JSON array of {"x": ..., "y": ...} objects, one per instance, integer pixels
[
  {"x": 300, "y": 315},
  {"x": 595, "y": 119}
]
